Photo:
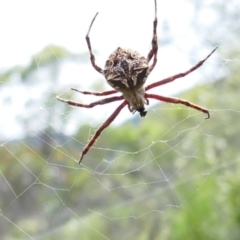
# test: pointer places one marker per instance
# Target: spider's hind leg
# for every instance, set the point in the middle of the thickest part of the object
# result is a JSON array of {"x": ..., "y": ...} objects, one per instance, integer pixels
[
  {"x": 153, "y": 51},
  {"x": 92, "y": 57}
]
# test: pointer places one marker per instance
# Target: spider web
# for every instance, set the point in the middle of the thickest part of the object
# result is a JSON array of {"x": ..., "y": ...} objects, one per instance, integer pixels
[{"x": 170, "y": 175}]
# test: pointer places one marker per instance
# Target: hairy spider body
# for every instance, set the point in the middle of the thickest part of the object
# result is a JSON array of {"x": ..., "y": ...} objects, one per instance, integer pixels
[{"x": 126, "y": 71}]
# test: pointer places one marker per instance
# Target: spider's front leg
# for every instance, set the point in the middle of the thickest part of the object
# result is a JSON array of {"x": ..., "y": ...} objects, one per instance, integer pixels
[
  {"x": 104, "y": 125},
  {"x": 178, "y": 101},
  {"x": 153, "y": 51}
]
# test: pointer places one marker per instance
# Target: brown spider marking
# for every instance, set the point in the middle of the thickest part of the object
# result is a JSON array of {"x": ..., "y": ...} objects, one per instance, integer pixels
[{"x": 126, "y": 71}]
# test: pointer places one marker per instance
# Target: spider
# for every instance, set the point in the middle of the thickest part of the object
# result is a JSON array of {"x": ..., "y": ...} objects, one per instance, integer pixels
[{"x": 126, "y": 71}]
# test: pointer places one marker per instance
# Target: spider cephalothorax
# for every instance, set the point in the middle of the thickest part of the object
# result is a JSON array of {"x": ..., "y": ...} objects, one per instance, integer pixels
[{"x": 127, "y": 71}]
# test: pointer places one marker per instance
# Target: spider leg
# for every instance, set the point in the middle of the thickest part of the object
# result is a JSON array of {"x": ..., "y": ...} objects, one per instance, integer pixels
[
  {"x": 92, "y": 57},
  {"x": 153, "y": 51},
  {"x": 178, "y": 101},
  {"x": 100, "y": 129},
  {"x": 179, "y": 75},
  {"x": 93, "y": 104},
  {"x": 95, "y": 93}
]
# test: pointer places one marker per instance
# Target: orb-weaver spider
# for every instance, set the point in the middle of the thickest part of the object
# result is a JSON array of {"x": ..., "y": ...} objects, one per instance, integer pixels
[{"x": 127, "y": 71}]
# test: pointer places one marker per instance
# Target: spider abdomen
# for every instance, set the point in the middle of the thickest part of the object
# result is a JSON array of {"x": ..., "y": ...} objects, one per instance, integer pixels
[{"x": 126, "y": 70}]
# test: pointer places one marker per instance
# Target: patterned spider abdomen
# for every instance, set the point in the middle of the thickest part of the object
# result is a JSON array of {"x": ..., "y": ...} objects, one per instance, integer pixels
[{"x": 126, "y": 70}]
